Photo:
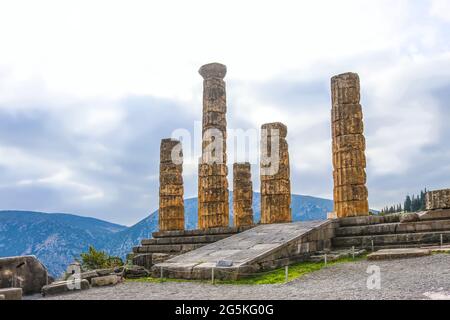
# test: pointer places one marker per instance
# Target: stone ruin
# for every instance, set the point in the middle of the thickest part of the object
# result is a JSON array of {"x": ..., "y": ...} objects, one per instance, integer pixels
[
  {"x": 246, "y": 248},
  {"x": 348, "y": 145},
  {"x": 171, "y": 202},
  {"x": 275, "y": 181},
  {"x": 242, "y": 195}
]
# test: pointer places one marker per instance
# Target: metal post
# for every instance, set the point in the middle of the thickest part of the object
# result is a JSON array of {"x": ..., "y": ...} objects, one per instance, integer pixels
[
  {"x": 325, "y": 259},
  {"x": 212, "y": 275},
  {"x": 372, "y": 246},
  {"x": 286, "y": 274},
  {"x": 353, "y": 252},
  {"x": 442, "y": 240},
  {"x": 161, "y": 268}
]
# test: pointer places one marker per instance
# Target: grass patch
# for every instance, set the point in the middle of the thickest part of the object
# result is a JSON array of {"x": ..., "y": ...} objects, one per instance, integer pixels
[
  {"x": 295, "y": 271},
  {"x": 273, "y": 277}
]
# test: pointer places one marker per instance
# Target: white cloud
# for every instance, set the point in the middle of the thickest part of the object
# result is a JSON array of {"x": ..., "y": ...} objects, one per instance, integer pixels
[
  {"x": 68, "y": 68},
  {"x": 440, "y": 9}
]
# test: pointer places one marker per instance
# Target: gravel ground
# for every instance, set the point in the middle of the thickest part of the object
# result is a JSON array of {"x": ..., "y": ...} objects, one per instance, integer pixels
[{"x": 416, "y": 278}]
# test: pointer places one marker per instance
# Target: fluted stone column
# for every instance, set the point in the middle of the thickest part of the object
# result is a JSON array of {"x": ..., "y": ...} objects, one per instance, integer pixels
[
  {"x": 348, "y": 145},
  {"x": 171, "y": 204},
  {"x": 242, "y": 195},
  {"x": 438, "y": 199},
  {"x": 213, "y": 207},
  {"x": 275, "y": 174}
]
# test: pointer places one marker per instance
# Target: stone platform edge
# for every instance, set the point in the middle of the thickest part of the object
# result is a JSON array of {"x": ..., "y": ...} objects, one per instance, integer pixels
[{"x": 200, "y": 232}]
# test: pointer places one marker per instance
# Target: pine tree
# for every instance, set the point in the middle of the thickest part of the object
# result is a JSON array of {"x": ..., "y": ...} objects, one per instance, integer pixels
[{"x": 407, "y": 205}]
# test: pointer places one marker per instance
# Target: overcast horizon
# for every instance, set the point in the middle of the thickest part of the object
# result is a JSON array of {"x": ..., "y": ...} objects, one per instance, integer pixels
[{"x": 89, "y": 88}]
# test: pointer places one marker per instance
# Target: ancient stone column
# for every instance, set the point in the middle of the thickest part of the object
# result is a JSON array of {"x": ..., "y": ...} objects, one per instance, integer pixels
[
  {"x": 348, "y": 145},
  {"x": 438, "y": 199},
  {"x": 275, "y": 180},
  {"x": 242, "y": 195},
  {"x": 213, "y": 207},
  {"x": 171, "y": 204}
]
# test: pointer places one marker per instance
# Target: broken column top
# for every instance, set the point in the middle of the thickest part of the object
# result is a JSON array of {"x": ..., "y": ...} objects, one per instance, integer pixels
[
  {"x": 241, "y": 166},
  {"x": 167, "y": 146},
  {"x": 282, "y": 129},
  {"x": 346, "y": 77},
  {"x": 213, "y": 70}
]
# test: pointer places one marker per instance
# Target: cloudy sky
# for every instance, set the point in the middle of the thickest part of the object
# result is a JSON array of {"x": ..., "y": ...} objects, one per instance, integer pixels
[{"x": 88, "y": 89}]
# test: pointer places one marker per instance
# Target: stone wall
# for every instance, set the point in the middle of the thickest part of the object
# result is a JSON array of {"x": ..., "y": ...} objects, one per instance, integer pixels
[
  {"x": 275, "y": 174},
  {"x": 348, "y": 145},
  {"x": 213, "y": 207},
  {"x": 242, "y": 195},
  {"x": 171, "y": 203}
]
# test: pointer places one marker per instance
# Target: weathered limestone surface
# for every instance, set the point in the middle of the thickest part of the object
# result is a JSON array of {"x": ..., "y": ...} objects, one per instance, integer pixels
[
  {"x": 242, "y": 195},
  {"x": 394, "y": 231},
  {"x": 213, "y": 207},
  {"x": 26, "y": 272},
  {"x": 349, "y": 162},
  {"x": 11, "y": 294},
  {"x": 65, "y": 286},
  {"x": 105, "y": 280},
  {"x": 438, "y": 199},
  {"x": 275, "y": 174},
  {"x": 171, "y": 203},
  {"x": 388, "y": 254},
  {"x": 263, "y": 247}
]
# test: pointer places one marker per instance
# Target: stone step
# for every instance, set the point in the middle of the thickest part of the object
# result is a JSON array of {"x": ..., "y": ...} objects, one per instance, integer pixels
[
  {"x": 185, "y": 240},
  {"x": 438, "y": 214},
  {"x": 368, "y": 220},
  {"x": 167, "y": 248},
  {"x": 391, "y": 228},
  {"x": 200, "y": 232},
  {"x": 391, "y": 239},
  {"x": 388, "y": 254}
]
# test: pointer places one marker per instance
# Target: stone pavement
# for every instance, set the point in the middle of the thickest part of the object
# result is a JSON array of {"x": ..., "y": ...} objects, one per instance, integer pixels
[{"x": 416, "y": 278}]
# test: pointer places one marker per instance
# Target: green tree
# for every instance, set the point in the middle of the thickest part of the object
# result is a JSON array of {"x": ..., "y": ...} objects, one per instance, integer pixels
[
  {"x": 96, "y": 259},
  {"x": 407, "y": 205}
]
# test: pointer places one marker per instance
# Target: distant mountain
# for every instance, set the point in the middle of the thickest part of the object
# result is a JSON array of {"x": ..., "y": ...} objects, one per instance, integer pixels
[{"x": 56, "y": 239}]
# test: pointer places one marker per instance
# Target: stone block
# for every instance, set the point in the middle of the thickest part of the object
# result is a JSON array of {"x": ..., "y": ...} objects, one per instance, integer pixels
[
  {"x": 105, "y": 281},
  {"x": 26, "y": 272},
  {"x": 144, "y": 260},
  {"x": 438, "y": 199},
  {"x": 389, "y": 254},
  {"x": 11, "y": 294},
  {"x": 409, "y": 217},
  {"x": 65, "y": 286},
  {"x": 88, "y": 275}
]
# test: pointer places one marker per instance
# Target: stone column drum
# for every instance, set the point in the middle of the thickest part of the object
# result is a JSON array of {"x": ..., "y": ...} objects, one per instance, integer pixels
[
  {"x": 348, "y": 145},
  {"x": 275, "y": 179},
  {"x": 171, "y": 204},
  {"x": 213, "y": 207},
  {"x": 438, "y": 199},
  {"x": 242, "y": 195}
]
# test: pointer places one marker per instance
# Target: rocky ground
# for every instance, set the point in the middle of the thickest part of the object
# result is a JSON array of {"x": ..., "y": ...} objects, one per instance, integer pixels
[{"x": 416, "y": 278}]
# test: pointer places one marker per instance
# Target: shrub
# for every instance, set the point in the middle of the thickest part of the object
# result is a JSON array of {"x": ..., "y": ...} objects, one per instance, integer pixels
[{"x": 96, "y": 259}]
